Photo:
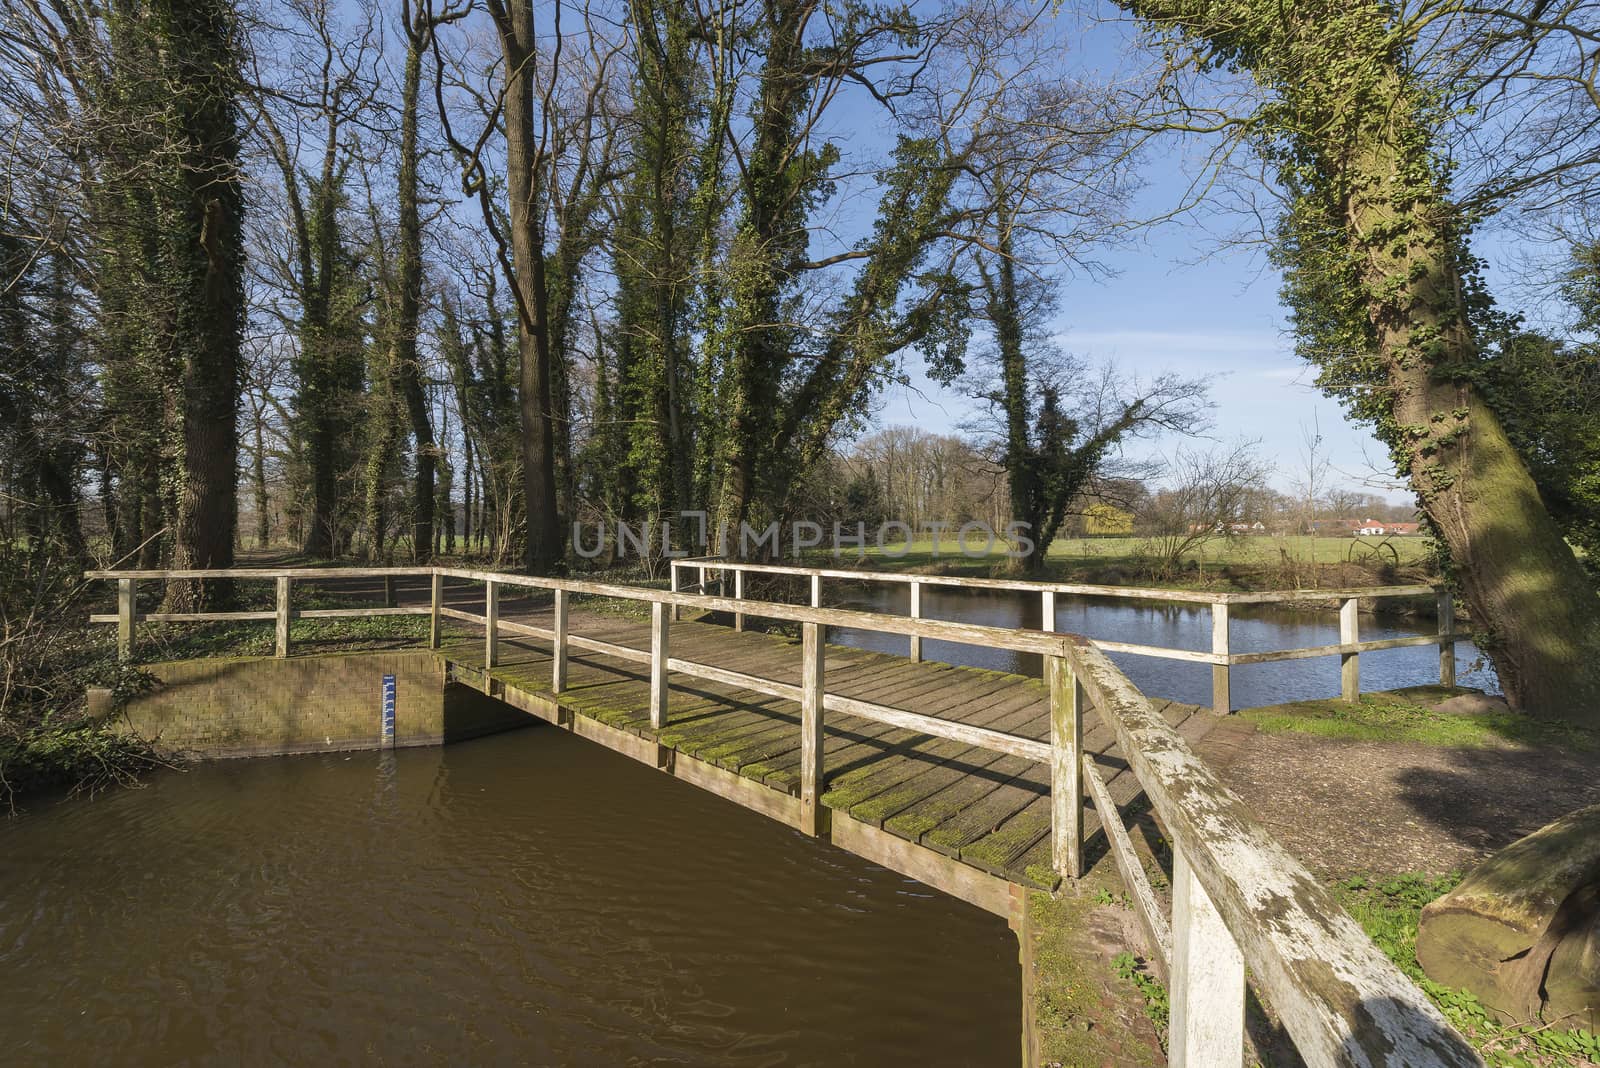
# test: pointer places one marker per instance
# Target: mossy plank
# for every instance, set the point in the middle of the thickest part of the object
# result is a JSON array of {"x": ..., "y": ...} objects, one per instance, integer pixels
[{"x": 874, "y": 793}]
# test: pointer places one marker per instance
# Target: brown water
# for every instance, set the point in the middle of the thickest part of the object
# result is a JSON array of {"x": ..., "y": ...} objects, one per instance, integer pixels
[{"x": 524, "y": 899}]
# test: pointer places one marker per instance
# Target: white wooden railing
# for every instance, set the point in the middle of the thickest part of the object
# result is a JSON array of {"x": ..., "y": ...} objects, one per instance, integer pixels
[
  {"x": 713, "y": 570},
  {"x": 1240, "y": 900}
]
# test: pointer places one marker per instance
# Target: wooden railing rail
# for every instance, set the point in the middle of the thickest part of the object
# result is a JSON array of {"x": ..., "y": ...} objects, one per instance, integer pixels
[
  {"x": 1221, "y": 656},
  {"x": 1239, "y": 898}
]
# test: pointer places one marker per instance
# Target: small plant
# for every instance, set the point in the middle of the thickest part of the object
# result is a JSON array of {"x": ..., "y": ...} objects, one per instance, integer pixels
[{"x": 1156, "y": 1006}]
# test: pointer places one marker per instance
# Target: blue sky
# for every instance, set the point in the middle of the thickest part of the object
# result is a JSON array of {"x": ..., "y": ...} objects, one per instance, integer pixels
[{"x": 1171, "y": 306}]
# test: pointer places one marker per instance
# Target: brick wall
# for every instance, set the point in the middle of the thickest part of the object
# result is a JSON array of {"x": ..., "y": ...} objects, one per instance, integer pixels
[{"x": 264, "y": 706}]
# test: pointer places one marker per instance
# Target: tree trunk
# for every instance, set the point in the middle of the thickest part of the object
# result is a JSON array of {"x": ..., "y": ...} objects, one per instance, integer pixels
[
  {"x": 1533, "y": 606},
  {"x": 407, "y": 308},
  {"x": 258, "y": 475},
  {"x": 543, "y": 548},
  {"x": 207, "y": 248}
]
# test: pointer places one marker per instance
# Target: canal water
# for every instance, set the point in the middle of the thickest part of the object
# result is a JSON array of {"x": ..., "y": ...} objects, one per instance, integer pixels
[
  {"x": 529, "y": 898},
  {"x": 1252, "y": 628}
]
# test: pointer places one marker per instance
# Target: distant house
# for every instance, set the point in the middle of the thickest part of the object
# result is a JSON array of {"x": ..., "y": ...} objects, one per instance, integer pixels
[{"x": 1381, "y": 528}]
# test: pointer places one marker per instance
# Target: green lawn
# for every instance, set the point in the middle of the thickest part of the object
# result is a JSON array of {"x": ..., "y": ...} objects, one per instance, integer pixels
[
  {"x": 1407, "y": 715},
  {"x": 1251, "y": 562}
]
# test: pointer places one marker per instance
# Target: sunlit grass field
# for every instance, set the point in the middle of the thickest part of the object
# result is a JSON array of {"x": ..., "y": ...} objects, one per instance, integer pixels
[{"x": 1252, "y": 560}]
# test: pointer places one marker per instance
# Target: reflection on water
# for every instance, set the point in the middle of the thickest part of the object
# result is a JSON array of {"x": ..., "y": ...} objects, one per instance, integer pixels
[
  {"x": 1252, "y": 628},
  {"x": 523, "y": 899}
]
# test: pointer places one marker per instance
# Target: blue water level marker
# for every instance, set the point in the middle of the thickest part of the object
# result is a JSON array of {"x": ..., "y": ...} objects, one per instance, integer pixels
[{"x": 388, "y": 708}]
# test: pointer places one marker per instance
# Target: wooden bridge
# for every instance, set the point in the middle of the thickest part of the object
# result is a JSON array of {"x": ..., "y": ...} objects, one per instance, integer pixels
[{"x": 979, "y": 783}]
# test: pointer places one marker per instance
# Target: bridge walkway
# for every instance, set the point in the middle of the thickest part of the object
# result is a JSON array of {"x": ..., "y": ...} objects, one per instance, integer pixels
[{"x": 987, "y": 810}]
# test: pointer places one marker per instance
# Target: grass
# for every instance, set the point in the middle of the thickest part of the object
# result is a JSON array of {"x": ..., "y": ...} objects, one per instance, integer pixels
[
  {"x": 1408, "y": 715},
  {"x": 1389, "y": 910},
  {"x": 184, "y": 641},
  {"x": 1252, "y": 562}
]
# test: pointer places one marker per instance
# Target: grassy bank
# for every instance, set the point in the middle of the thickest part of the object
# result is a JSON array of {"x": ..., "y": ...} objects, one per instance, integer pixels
[
  {"x": 1410, "y": 715},
  {"x": 1389, "y": 910}
]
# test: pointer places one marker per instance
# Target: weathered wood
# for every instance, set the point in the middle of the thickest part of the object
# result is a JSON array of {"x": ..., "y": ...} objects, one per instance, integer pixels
[
  {"x": 1447, "y": 646},
  {"x": 916, "y": 613},
  {"x": 738, "y": 595},
  {"x": 1145, "y": 904},
  {"x": 1349, "y": 663},
  {"x": 1314, "y": 651},
  {"x": 896, "y": 854},
  {"x": 1337, "y": 995},
  {"x": 435, "y": 602},
  {"x": 1066, "y": 767},
  {"x": 388, "y": 589},
  {"x": 491, "y": 623},
  {"x": 1221, "y": 674},
  {"x": 659, "y": 653},
  {"x": 1047, "y": 611},
  {"x": 1193, "y": 656},
  {"x": 943, "y": 728},
  {"x": 558, "y": 664},
  {"x": 1207, "y": 978},
  {"x": 281, "y": 629},
  {"x": 811, "y": 693},
  {"x": 816, "y": 590},
  {"x": 673, "y": 582},
  {"x": 248, "y": 574},
  {"x": 1520, "y": 929},
  {"x": 201, "y": 617},
  {"x": 126, "y": 611},
  {"x": 354, "y": 613}
]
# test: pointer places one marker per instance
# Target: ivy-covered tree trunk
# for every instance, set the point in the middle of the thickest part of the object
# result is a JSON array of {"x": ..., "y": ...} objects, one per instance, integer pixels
[
  {"x": 656, "y": 243},
  {"x": 204, "y": 259},
  {"x": 1373, "y": 249},
  {"x": 408, "y": 368},
  {"x": 1532, "y": 604}
]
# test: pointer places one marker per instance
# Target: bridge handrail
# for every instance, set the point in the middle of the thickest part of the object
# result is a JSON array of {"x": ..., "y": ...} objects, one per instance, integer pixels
[
  {"x": 1239, "y": 898},
  {"x": 1221, "y": 657}
]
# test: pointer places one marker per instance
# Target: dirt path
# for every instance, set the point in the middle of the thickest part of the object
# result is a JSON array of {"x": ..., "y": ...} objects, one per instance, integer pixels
[{"x": 1344, "y": 807}]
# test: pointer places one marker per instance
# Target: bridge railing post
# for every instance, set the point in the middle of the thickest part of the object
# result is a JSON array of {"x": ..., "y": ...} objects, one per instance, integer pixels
[
  {"x": 281, "y": 645},
  {"x": 435, "y": 602},
  {"x": 491, "y": 624},
  {"x": 1349, "y": 663},
  {"x": 1047, "y": 610},
  {"x": 673, "y": 568},
  {"x": 738, "y": 595},
  {"x": 1066, "y": 768},
  {"x": 127, "y": 611},
  {"x": 812, "y": 816},
  {"x": 558, "y": 666},
  {"x": 816, "y": 591},
  {"x": 916, "y": 613},
  {"x": 659, "y": 653},
  {"x": 1221, "y": 674},
  {"x": 1207, "y": 977},
  {"x": 388, "y": 591},
  {"x": 1447, "y": 649}
]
